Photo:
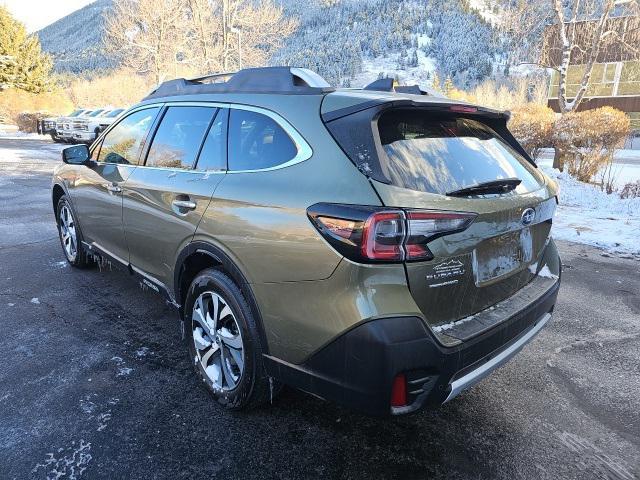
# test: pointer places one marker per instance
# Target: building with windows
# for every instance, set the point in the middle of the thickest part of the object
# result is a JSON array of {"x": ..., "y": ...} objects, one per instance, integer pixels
[{"x": 615, "y": 79}]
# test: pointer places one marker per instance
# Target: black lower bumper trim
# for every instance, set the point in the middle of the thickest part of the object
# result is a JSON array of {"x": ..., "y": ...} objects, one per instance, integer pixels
[{"x": 357, "y": 369}]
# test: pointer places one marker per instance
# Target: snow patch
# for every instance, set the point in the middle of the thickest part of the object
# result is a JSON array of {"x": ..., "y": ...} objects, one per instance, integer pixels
[
  {"x": 546, "y": 273},
  {"x": 588, "y": 215},
  {"x": 142, "y": 352},
  {"x": 35, "y": 301},
  {"x": 421, "y": 75},
  {"x": 448, "y": 326},
  {"x": 71, "y": 465}
]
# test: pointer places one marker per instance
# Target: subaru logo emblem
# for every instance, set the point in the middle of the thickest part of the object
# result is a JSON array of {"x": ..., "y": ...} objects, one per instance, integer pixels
[{"x": 528, "y": 216}]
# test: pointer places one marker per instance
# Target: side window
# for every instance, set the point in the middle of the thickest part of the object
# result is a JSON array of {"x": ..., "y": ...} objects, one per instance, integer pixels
[
  {"x": 122, "y": 143},
  {"x": 257, "y": 141},
  {"x": 179, "y": 137},
  {"x": 213, "y": 156}
]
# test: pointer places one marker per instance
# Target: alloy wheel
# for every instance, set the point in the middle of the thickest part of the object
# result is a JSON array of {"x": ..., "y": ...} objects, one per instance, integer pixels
[
  {"x": 218, "y": 341},
  {"x": 68, "y": 233}
]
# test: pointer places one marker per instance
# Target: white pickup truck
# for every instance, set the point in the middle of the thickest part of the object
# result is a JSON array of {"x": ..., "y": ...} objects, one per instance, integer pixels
[
  {"x": 54, "y": 125},
  {"x": 85, "y": 129},
  {"x": 66, "y": 126}
]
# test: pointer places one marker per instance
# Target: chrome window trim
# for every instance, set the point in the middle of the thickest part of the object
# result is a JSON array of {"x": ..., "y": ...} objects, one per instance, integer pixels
[{"x": 304, "y": 150}]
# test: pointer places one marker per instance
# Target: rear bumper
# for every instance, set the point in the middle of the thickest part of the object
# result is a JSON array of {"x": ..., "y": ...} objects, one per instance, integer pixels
[{"x": 357, "y": 369}]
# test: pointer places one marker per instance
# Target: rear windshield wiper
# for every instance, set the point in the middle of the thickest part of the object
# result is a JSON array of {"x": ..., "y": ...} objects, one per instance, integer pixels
[{"x": 502, "y": 185}]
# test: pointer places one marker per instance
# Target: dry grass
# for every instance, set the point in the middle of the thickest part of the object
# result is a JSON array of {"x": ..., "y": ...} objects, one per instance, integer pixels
[
  {"x": 119, "y": 88},
  {"x": 13, "y": 102},
  {"x": 505, "y": 93}
]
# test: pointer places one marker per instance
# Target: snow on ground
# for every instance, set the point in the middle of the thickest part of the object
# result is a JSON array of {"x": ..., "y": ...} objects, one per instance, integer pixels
[
  {"x": 388, "y": 65},
  {"x": 588, "y": 215},
  {"x": 487, "y": 10},
  {"x": 12, "y": 132},
  {"x": 18, "y": 159}
]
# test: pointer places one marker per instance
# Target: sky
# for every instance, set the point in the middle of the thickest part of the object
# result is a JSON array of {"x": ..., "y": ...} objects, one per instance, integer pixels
[{"x": 36, "y": 14}]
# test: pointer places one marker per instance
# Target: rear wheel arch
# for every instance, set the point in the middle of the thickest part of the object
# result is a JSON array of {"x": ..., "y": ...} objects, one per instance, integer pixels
[{"x": 198, "y": 256}]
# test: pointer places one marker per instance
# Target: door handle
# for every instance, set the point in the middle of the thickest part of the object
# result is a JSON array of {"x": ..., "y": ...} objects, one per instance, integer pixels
[
  {"x": 186, "y": 204},
  {"x": 113, "y": 188}
]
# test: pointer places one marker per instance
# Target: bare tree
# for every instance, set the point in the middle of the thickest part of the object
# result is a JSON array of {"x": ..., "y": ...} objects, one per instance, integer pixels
[
  {"x": 147, "y": 36},
  {"x": 161, "y": 38},
  {"x": 583, "y": 31},
  {"x": 251, "y": 31},
  {"x": 206, "y": 25}
]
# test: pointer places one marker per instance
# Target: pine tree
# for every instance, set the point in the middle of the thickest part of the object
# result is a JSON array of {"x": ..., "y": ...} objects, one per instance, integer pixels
[{"x": 22, "y": 63}]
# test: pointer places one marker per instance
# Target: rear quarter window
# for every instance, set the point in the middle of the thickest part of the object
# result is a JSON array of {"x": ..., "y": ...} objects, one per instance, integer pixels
[
  {"x": 439, "y": 153},
  {"x": 256, "y": 141}
]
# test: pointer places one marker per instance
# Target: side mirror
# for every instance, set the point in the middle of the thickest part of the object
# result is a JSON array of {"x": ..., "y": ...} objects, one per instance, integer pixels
[{"x": 76, "y": 155}]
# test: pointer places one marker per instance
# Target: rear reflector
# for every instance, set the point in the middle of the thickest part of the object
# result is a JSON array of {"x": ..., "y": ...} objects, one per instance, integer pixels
[
  {"x": 338, "y": 226},
  {"x": 399, "y": 391}
]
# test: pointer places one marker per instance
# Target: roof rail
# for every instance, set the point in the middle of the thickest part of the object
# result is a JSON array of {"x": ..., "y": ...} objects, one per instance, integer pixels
[
  {"x": 389, "y": 85},
  {"x": 278, "y": 80},
  {"x": 211, "y": 76}
]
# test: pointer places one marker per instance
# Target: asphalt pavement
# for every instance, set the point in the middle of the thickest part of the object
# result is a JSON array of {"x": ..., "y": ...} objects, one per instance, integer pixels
[{"x": 95, "y": 381}]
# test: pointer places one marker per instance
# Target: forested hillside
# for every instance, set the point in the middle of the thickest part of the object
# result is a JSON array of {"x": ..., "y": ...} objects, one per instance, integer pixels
[
  {"x": 346, "y": 41},
  {"x": 393, "y": 37},
  {"x": 75, "y": 41}
]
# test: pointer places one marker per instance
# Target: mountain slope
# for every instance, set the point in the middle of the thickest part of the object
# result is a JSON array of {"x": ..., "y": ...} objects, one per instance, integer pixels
[
  {"x": 349, "y": 42},
  {"x": 75, "y": 41}
]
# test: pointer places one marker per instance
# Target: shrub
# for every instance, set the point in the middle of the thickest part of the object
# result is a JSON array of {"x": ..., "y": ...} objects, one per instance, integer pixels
[
  {"x": 27, "y": 121},
  {"x": 585, "y": 141},
  {"x": 532, "y": 125},
  {"x": 116, "y": 89},
  {"x": 631, "y": 190}
]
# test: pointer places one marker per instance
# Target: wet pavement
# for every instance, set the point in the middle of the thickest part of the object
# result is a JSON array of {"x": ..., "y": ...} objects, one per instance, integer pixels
[{"x": 95, "y": 381}]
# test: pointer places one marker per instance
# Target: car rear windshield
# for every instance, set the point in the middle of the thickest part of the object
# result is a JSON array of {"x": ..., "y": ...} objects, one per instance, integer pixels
[{"x": 442, "y": 153}]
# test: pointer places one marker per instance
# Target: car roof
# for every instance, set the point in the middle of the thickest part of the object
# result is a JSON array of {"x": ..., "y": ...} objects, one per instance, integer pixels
[{"x": 258, "y": 86}]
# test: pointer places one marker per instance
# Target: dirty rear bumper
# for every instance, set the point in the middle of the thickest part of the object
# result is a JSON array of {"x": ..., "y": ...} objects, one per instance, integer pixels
[{"x": 357, "y": 369}]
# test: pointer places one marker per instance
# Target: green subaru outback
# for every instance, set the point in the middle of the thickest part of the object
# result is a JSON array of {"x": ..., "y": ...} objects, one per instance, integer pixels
[{"x": 384, "y": 248}]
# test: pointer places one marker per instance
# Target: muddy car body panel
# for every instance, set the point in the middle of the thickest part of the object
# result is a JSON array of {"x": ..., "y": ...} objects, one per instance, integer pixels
[{"x": 370, "y": 284}]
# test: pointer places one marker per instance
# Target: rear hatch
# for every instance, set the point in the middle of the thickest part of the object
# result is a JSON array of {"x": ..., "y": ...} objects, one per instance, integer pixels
[{"x": 457, "y": 158}]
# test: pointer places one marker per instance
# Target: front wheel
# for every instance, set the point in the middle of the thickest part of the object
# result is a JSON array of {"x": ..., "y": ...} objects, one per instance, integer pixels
[
  {"x": 70, "y": 235},
  {"x": 224, "y": 343}
]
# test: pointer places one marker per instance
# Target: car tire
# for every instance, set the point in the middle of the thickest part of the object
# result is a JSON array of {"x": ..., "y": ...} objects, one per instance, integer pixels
[
  {"x": 235, "y": 385},
  {"x": 71, "y": 236}
]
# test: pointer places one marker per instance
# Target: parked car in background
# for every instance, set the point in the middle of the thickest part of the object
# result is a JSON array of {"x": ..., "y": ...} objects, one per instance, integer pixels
[
  {"x": 48, "y": 126},
  {"x": 66, "y": 125},
  {"x": 87, "y": 129}
]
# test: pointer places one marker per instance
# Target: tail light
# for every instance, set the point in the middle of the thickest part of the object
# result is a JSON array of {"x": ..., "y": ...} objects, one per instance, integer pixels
[
  {"x": 373, "y": 234},
  {"x": 383, "y": 235}
]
